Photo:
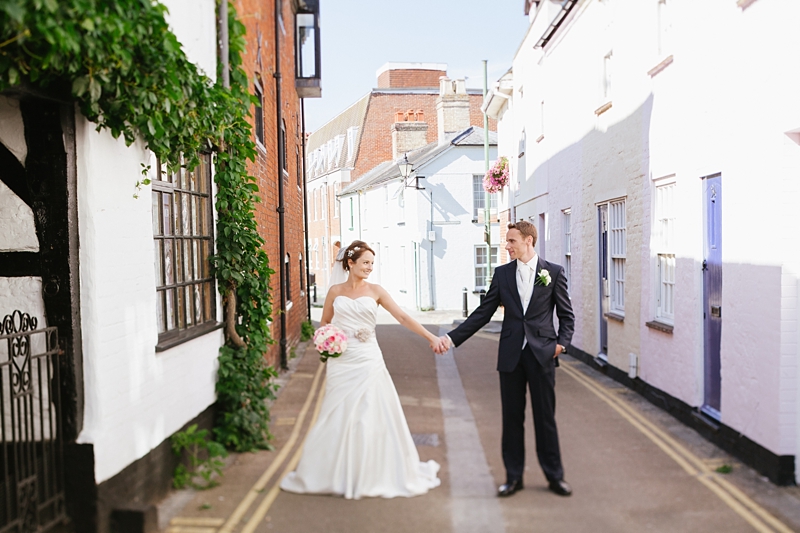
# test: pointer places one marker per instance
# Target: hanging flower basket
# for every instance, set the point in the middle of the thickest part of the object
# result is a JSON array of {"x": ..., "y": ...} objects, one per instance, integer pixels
[{"x": 497, "y": 176}]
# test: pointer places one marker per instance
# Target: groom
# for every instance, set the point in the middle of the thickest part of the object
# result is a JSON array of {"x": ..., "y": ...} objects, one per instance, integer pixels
[{"x": 529, "y": 289}]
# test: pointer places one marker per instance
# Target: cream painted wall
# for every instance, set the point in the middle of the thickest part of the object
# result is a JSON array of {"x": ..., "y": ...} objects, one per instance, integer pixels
[{"x": 713, "y": 100}]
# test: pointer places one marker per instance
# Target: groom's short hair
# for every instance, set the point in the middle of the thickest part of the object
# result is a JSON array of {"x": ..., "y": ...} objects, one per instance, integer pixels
[{"x": 526, "y": 229}]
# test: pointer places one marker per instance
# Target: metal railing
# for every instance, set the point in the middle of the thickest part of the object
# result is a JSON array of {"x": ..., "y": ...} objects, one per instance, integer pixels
[{"x": 31, "y": 466}]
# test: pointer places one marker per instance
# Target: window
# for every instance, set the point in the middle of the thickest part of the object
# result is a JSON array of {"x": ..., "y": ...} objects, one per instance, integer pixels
[
  {"x": 567, "y": 217},
  {"x": 665, "y": 241},
  {"x": 481, "y": 270},
  {"x": 617, "y": 245},
  {"x": 664, "y": 28},
  {"x": 299, "y": 168},
  {"x": 282, "y": 148},
  {"x": 182, "y": 231},
  {"x": 302, "y": 275},
  {"x": 287, "y": 274},
  {"x": 316, "y": 253},
  {"x": 385, "y": 206},
  {"x": 336, "y": 188},
  {"x": 479, "y": 197},
  {"x": 323, "y": 203},
  {"x": 401, "y": 205},
  {"x": 258, "y": 115},
  {"x": 607, "y": 71},
  {"x": 352, "y": 213}
]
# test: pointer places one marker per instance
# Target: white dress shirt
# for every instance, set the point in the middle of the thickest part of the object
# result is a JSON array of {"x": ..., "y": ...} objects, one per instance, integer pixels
[{"x": 525, "y": 286}]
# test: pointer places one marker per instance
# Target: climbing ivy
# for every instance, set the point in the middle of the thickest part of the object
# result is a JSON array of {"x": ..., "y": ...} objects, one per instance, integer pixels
[{"x": 128, "y": 74}]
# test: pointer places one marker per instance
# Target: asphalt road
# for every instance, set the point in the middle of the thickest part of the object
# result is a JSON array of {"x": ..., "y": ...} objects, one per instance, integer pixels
[{"x": 632, "y": 467}]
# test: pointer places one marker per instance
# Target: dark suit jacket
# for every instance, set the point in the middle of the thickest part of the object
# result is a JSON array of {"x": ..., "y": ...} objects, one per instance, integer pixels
[{"x": 536, "y": 324}]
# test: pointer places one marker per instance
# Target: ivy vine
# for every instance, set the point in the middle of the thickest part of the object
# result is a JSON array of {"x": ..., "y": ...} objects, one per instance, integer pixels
[{"x": 126, "y": 70}]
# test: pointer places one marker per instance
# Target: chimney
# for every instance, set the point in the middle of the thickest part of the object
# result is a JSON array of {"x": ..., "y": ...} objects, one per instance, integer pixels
[
  {"x": 409, "y": 132},
  {"x": 452, "y": 107}
]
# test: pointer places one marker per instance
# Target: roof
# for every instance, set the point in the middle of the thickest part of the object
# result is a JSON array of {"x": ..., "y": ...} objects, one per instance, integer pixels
[
  {"x": 350, "y": 117},
  {"x": 410, "y": 66},
  {"x": 388, "y": 170}
]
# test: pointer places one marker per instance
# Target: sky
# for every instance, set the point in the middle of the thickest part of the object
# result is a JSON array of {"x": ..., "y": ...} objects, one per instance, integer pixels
[{"x": 360, "y": 36}]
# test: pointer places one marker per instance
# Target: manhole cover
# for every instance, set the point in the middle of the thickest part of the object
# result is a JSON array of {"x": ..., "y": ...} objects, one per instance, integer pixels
[{"x": 425, "y": 439}]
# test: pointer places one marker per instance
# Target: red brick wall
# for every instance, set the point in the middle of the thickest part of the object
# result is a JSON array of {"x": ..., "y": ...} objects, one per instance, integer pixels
[
  {"x": 410, "y": 78},
  {"x": 258, "y": 17},
  {"x": 376, "y": 139}
]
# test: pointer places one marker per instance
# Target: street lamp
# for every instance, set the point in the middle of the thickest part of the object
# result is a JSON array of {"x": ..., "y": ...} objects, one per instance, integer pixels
[{"x": 406, "y": 170}]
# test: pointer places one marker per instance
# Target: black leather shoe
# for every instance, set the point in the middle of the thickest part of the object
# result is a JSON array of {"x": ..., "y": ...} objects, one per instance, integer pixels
[
  {"x": 509, "y": 488},
  {"x": 560, "y": 487}
]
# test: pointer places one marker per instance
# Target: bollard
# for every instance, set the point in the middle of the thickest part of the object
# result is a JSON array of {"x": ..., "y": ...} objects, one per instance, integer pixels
[
  {"x": 483, "y": 293},
  {"x": 464, "y": 311},
  {"x": 315, "y": 293}
]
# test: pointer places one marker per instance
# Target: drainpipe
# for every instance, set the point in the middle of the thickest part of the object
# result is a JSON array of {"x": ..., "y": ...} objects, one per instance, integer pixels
[
  {"x": 281, "y": 208},
  {"x": 305, "y": 205},
  {"x": 224, "y": 53}
]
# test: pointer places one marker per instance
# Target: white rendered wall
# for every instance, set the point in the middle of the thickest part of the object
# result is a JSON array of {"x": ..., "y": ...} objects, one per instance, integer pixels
[
  {"x": 194, "y": 23},
  {"x": 135, "y": 398},
  {"x": 724, "y": 105}
]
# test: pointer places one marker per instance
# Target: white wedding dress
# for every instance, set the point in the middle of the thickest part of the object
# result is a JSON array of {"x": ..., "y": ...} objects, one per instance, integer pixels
[{"x": 360, "y": 445}]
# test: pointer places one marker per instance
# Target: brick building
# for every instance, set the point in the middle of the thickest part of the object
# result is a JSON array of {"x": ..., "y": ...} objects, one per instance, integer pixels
[
  {"x": 278, "y": 168},
  {"x": 360, "y": 138}
]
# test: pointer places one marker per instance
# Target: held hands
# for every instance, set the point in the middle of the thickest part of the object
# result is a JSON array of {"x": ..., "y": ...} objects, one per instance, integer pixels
[{"x": 440, "y": 345}]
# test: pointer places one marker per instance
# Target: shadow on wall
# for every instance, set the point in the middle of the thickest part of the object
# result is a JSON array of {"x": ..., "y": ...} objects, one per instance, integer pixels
[
  {"x": 445, "y": 204},
  {"x": 602, "y": 165}
]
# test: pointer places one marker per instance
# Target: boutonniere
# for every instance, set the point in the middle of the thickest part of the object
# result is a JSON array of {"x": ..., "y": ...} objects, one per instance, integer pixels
[{"x": 543, "y": 277}]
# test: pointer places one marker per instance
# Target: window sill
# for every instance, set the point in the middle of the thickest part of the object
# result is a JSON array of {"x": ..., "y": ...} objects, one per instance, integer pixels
[
  {"x": 664, "y": 63},
  {"x": 603, "y": 108},
  {"x": 660, "y": 326},
  {"x": 174, "y": 339},
  {"x": 615, "y": 316}
]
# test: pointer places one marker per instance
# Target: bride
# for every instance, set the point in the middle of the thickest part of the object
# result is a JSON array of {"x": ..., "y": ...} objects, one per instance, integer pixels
[{"x": 361, "y": 445}]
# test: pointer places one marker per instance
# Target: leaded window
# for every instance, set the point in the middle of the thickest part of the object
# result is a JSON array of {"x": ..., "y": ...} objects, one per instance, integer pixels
[{"x": 183, "y": 235}]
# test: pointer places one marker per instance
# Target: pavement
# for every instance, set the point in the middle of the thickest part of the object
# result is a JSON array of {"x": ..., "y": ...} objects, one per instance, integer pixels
[{"x": 632, "y": 466}]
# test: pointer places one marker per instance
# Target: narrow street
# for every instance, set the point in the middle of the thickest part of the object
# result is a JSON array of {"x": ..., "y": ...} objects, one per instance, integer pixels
[{"x": 632, "y": 467}]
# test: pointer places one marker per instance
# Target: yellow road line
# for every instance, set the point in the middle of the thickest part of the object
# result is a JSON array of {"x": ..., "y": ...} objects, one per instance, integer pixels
[
  {"x": 263, "y": 508},
  {"x": 748, "y": 509},
  {"x": 253, "y": 493}
]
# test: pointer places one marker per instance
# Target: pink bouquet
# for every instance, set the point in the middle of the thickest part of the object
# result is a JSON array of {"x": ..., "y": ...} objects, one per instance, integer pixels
[
  {"x": 496, "y": 177},
  {"x": 329, "y": 341}
]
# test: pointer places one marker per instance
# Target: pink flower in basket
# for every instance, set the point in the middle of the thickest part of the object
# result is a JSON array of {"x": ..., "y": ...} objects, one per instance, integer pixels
[
  {"x": 496, "y": 177},
  {"x": 329, "y": 341}
]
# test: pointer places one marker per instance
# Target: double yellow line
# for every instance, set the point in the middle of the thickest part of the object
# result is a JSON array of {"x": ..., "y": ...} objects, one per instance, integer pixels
[
  {"x": 260, "y": 486},
  {"x": 754, "y": 514}
]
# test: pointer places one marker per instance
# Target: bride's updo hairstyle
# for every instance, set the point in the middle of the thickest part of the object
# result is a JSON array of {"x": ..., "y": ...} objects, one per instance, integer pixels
[{"x": 354, "y": 251}]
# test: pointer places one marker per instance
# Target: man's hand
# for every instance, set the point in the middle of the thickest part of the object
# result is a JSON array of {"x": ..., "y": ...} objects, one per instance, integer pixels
[
  {"x": 559, "y": 350},
  {"x": 444, "y": 344}
]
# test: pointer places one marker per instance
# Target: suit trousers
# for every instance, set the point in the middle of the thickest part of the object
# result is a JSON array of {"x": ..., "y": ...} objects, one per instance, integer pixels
[{"x": 530, "y": 374}]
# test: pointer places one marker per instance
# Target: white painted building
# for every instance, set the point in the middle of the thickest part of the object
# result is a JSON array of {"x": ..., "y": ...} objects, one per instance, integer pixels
[
  {"x": 627, "y": 120},
  {"x": 427, "y": 231},
  {"x": 141, "y": 343}
]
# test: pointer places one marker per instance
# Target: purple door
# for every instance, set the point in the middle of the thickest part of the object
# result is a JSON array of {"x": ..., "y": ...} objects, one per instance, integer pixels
[{"x": 712, "y": 291}]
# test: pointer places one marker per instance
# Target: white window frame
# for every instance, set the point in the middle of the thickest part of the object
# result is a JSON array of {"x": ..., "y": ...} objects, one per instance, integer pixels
[
  {"x": 336, "y": 188},
  {"x": 479, "y": 262},
  {"x": 664, "y": 239},
  {"x": 567, "y": 218},
  {"x": 385, "y": 214},
  {"x": 617, "y": 247},
  {"x": 479, "y": 198}
]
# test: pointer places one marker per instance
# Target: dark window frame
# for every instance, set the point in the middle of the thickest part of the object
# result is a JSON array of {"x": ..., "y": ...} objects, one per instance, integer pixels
[
  {"x": 258, "y": 115},
  {"x": 183, "y": 234}
]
